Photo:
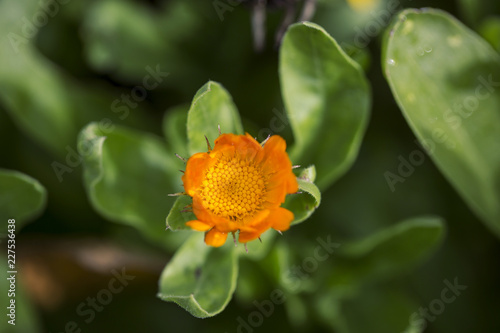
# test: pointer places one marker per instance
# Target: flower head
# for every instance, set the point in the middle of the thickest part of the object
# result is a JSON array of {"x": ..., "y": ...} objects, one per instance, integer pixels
[
  {"x": 240, "y": 185},
  {"x": 363, "y": 5}
]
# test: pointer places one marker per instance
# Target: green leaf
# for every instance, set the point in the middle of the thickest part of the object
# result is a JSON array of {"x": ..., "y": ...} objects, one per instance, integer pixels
[
  {"x": 46, "y": 103},
  {"x": 123, "y": 36},
  {"x": 490, "y": 30},
  {"x": 128, "y": 176},
  {"x": 446, "y": 81},
  {"x": 311, "y": 189},
  {"x": 174, "y": 129},
  {"x": 383, "y": 307},
  {"x": 360, "y": 55},
  {"x": 21, "y": 197},
  {"x": 177, "y": 218},
  {"x": 200, "y": 278},
  {"x": 389, "y": 252},
  {"x": 297, "y": 311},
  {"x": 473, "y": 11},
  {"x": 308, "y": 174},
  {"x": 302, "y": 205},
  {"x": 327, "y": 99},
  {"x": 212, "y": 106}
]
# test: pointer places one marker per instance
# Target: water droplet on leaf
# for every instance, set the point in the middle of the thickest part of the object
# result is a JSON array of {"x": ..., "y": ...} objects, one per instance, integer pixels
[{"x": 391, "y": 62}]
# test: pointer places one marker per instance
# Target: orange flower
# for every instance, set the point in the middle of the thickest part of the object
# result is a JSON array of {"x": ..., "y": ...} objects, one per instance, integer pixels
[{"x": 240, "y": 186}]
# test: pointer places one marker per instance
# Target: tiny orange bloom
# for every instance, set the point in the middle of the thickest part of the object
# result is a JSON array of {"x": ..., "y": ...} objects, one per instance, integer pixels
[{"x": 239, "y": 186}]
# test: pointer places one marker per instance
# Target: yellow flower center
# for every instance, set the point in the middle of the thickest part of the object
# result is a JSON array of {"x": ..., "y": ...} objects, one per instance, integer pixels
[{"x": 233, "y": 188}]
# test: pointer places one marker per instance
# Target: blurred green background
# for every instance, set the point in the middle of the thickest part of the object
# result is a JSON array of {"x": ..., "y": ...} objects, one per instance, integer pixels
[{"x": 86, "y": 55}]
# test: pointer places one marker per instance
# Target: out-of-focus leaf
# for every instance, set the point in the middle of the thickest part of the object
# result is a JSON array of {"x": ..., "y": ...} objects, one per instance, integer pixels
[
  {"x": 297, "y": 310},
  {"x": 114, "y": 40},
  {"x": 276, "y": 261},
  {"x": 358, "y": 288},
  {"x": 42, "y": 100},
  {"x": 21, "y": 197},
  {"x": 390, "y": 315},
  {"x": 212, "y": 106},
  {"x": 327, "y": 99},
  {"x": 128, "y": 176},
  {"x": 446, "y": 81},
  {"x": 249, "y": 286},
  {"x": 383, "y": 309},
  {"x": 471, "y": 9},
  {"x": 123, "y": 37},
  {"x": 174, "y": 129},
  {"x": 474, "y": 11},
  {"x": 490, "y": 30},
  {"x": 303, "y": 204},
  {"x": 200, "y": 278},
  {"x": 389, "y": 252}
]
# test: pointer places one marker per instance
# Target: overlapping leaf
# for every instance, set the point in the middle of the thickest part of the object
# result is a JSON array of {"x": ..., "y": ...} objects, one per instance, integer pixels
[
  {"x": 200, "y": 278},
  {"x": 212, "y": 106},
  {"x": 446, "y": 81},
  {"x": 21, "y": 197},
  {"x": 128, "y": 176},
  {"x": 327, "y": 100}
]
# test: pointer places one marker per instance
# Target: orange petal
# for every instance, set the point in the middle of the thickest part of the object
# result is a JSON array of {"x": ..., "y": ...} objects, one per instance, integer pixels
[
  {"x": 238, "y": 141},
  {"x": 274, "y": 152},
  {"x": 215, "y": 238},
  {"x": 276, "y": 162},
  {"x": 244, "y": 145},
  {"x": 198, "y": 225},
  {"x": 227, "y": 226},
  {"x": 292, "y": 185},
  {"x": 275, "y": 143},
  {"x": 280, "y": 218},
  {"x": 255, "y": 227},
  {"x": 251, "y": 149},
  {"x": 276, "y": 193},
  {"x": 255, "y": 222},
  {"x": 195, "y": 171},
  {"x": 287, "y": 179},
  {"x": 246, "y": 236},
  {"x": 224, "y": 139}
]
